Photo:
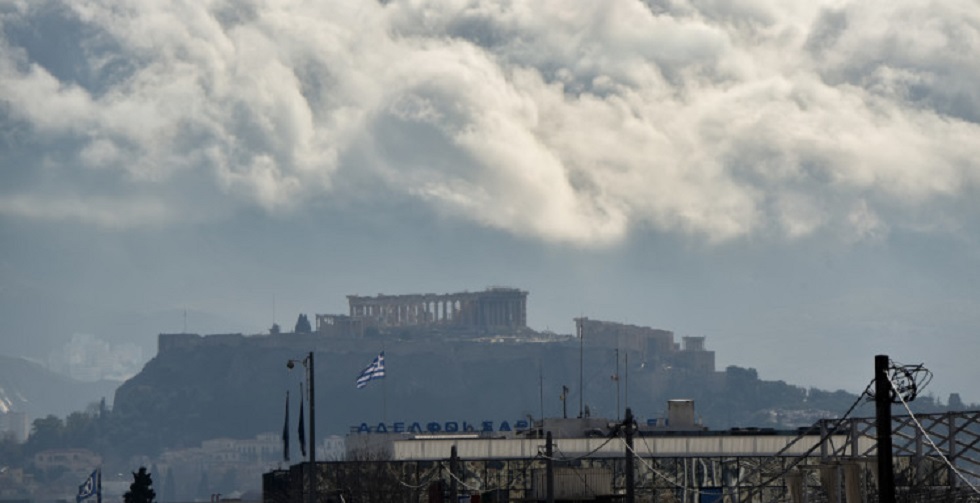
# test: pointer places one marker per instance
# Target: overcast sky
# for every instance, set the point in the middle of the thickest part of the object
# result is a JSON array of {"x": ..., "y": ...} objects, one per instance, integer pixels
[{"x": 797, "y": 180}]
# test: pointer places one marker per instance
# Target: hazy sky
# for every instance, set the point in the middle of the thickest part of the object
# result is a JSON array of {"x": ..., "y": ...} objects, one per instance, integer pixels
[{"x": 797, "y": 180}]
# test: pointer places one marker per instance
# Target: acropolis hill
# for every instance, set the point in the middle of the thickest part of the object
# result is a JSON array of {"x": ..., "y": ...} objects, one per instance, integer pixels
[
  {"x": 466, "y": 356},
  {"x": 495, "y": 315}
]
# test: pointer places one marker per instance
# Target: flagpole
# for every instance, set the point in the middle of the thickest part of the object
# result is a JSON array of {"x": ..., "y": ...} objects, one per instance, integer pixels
[
  {"x": 285, "y": 432},
  {"x": 384, "y": 401},
  {"x": 384, "y": 392}
]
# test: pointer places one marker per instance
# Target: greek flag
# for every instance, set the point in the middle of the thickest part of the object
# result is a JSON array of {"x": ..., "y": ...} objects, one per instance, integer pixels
[
  {"x": 88, "y": 488},
  {"x": 376, "y": 370}
]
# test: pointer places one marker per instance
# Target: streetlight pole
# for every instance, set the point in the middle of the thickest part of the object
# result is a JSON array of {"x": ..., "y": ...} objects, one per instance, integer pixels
[
  {"x": 313, "y": 474},
  {"x": 308, "y": 365}
]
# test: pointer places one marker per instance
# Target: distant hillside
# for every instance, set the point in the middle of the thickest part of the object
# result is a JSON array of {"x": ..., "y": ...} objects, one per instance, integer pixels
[
  {"x": 28, "y": 387},
  {"x": 235, "y": 386}
]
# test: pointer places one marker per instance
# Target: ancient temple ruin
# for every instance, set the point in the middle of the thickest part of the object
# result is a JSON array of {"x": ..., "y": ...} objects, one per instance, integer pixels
[{"x": 496, "y": 309}]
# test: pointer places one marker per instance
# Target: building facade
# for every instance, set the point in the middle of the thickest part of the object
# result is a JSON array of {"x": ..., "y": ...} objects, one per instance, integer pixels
[{"x": 833, "y": 461}]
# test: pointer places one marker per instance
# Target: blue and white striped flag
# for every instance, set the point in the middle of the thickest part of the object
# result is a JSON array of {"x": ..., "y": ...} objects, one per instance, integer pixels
[
  {"x": 89, "y": 488},
  {"x": 376, "y": 370}
]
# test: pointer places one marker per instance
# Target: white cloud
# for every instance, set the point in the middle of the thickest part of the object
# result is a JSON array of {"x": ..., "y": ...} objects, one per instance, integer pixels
[
  {"x": 864, "y": 223},
  {"x": 109, "y": 213},
  {"x": 567, "y": 121}
]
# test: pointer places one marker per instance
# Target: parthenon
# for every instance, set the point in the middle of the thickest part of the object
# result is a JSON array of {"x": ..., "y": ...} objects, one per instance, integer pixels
[{"x": 496, "y": 307}]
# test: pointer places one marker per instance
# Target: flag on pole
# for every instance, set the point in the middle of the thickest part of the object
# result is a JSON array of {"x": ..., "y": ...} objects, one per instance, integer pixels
[
  {"x": 89, "y": 488},
  {"x": 285, "y": 432},
  {"x": 376, "y": 370},
  {"x": 302, "y": 426}
]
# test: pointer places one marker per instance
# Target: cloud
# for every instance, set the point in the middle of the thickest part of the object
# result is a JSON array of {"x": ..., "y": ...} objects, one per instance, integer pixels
[
  {"x": 576, "y": 122},
  {"x": 114, "y": 213}
]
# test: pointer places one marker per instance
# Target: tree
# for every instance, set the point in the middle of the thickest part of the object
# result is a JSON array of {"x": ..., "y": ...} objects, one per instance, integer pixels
[
  {"x": 46, "y": 433},
  {"x": 79, "y": 430},
  {"x": 955, "y": 402},
  {"x": 303, "y": 325},
  {"x": 141, "y": 490}
]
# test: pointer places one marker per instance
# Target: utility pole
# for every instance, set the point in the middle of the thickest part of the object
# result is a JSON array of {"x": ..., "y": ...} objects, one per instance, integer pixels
[
  {"x": 883, "y": 413},
  {"x": 313, "y": 475},
  {"x": 549, "y": 469},
  {"x": 630, "y": 481},
  {"x": 308, "y": 365},
  {"x": 581, "y": 368},
  {"x": 453, "y": 485}
]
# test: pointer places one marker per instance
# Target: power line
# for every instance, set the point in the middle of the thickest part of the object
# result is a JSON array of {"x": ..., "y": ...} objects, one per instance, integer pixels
[
  {"x": 460, "y": 481},
  {"x": 898, "y": 393},
  {"x": 406, "y": 484},
  {"x": 584, "y": 456},
  {"x": 797, "y": 460},
  {"x": 577, "y": 473},
  {"x": 654, "y": 470}
]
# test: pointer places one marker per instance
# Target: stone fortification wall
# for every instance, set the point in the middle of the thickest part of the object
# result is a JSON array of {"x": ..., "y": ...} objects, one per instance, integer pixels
[
  {"x": 656, "y": 346},
  {"x": 645, "y": 340}
]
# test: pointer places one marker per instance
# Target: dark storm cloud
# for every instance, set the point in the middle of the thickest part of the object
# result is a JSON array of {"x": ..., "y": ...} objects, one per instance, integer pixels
[{"x": 782, "y": 176}]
